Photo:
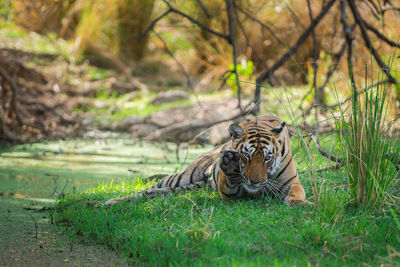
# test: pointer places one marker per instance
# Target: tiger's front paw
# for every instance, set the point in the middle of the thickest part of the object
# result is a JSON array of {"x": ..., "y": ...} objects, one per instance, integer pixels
[
  {"x": 230, "y": 165},
  {"x": 297, "y": 202}
]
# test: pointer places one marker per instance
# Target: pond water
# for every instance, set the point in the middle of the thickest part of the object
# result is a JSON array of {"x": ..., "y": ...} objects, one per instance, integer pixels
[{"x": 43, "y": 170}]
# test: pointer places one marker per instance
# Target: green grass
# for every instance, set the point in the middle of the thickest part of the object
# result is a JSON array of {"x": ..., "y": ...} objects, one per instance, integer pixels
[{"x": 198, "y": 228}]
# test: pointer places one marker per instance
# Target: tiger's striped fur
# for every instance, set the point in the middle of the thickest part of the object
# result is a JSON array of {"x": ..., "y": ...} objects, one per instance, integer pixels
[{"x": 256, "y": 161}]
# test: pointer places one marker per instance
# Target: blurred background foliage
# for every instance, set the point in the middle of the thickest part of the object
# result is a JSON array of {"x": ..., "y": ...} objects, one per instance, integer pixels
[{"x": 110, "y": 32}]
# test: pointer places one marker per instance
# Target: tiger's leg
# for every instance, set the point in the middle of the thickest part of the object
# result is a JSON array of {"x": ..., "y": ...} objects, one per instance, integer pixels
[
  {"x": 228, "y": 174},
  {"x": 296, "y": 194}
]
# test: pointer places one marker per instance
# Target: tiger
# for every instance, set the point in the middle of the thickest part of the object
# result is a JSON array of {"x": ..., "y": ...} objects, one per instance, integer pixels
[{"x": 255, "y": 162}]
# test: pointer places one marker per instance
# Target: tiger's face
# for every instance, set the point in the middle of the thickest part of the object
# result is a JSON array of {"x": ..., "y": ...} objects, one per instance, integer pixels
[{"x": 260, "y": 147}]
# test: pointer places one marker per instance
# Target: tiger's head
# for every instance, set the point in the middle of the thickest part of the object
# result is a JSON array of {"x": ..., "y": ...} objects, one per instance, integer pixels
[{"x": 262, "y": 143}]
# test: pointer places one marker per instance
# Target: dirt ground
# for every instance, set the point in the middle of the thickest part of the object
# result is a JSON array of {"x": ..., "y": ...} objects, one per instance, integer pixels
[{"x": 27, "y": 238}]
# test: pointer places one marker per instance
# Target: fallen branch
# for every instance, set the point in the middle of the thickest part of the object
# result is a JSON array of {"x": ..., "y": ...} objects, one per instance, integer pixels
[
  {"x": 323, "y": 152},
  {"x": 331, "y": 168},
  {"x": 184, "y": 131}
]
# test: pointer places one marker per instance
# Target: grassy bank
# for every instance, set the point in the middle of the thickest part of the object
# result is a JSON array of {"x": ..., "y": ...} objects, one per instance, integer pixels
[{"x": 198, "y": 228}]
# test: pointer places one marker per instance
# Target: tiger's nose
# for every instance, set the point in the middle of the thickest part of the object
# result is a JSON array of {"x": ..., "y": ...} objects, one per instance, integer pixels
[{"x": 254, "y": 182}]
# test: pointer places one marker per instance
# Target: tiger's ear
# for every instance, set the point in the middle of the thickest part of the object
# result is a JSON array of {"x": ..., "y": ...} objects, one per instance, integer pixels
[
  {"x": 235, "y": 131},
  {"x": 278, "y": 130}
]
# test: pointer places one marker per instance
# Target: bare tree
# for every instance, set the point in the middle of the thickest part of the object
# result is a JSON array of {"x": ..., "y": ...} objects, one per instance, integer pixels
[{"x": 236, "y": 12}]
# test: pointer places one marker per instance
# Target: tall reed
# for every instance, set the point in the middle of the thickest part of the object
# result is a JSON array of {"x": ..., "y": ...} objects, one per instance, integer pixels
[{"x": 366, "y": 141}]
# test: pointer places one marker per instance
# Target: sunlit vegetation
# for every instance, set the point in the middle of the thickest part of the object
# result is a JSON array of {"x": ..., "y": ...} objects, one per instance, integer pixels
[{"x": 73, "y": 71}]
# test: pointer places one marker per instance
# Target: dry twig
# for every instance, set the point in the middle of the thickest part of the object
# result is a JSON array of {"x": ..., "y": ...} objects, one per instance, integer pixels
[{"x": 323, "y": 152}]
